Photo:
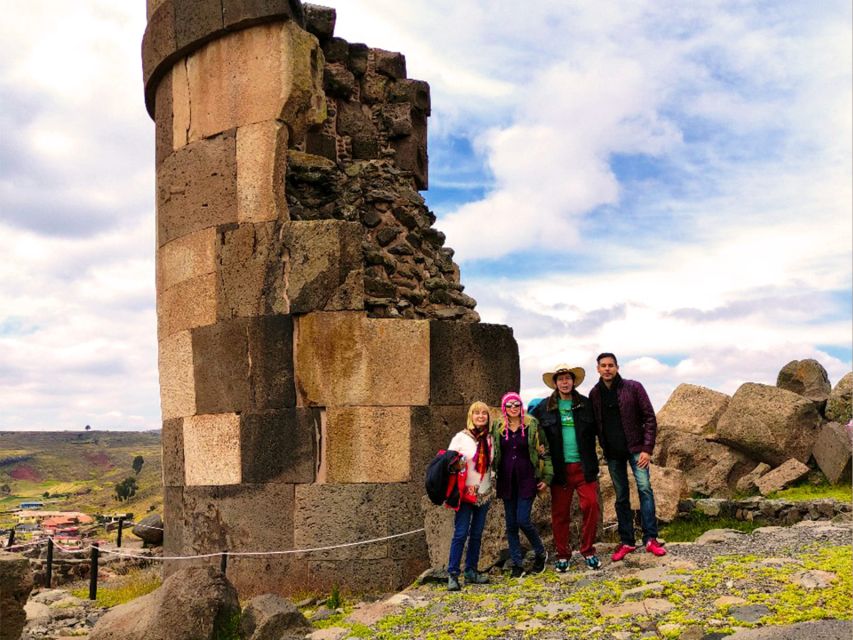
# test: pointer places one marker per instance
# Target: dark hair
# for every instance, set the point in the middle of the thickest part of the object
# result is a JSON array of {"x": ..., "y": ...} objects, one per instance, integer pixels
[
  {"x": 607, "y": 354},
  {"x": 559, "y": 373}
]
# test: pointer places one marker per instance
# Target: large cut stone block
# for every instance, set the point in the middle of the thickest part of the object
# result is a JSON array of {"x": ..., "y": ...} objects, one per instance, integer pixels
[
  {"x": 346, "y": 359},
  {"x": 433, "y": 428},
  {"x": 244, "y": 364},
  {"x": 197, "y": 187},
  {"x": 177, "y": 377},
  {"x": 185, "y": 258},
  {"x": 711, "y": 468},
  {"x": 669, "y": 486},
  {"x": 832, "y": 452},
  {"x": 241, "y": 12},
  {"x": 172, "y": 440},
  {"x": 16, "y": 582},
  {"x": 330, "y": 514},
  {"x": 471, "y": 361},
  {"x": 239, "y": 79},
  {"x": 325, "y": 269},
  {"x": 186, "y": 305},
  {"x": 279, "y": 446},
  {"x": 786, "y": 473},
  {"x": 195, "y": 20},
  {"x": 159, "y": 38},
  {"x": 839, "y": 407},
  {"x": 212, "y": 449},
  {"x": 769, "y": 424},
  {"x": 692, "y": 409},
  {"x": 164, "y": 126},
  {"x": 367, "y": 444},
  {"x": 251, "y": 270},
  {"x": 245, "y": 517},
  {"x": 261, "y": 163}
]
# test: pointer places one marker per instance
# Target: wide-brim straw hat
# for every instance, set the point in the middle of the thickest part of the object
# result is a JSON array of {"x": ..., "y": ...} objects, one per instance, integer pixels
[{"x": 577, "y": 372}]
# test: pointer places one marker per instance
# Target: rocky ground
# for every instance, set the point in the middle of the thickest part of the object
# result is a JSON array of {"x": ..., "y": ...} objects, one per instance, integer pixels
[
  {"x": 724, "y": 583},
  {"x": 760, "y": 585}
]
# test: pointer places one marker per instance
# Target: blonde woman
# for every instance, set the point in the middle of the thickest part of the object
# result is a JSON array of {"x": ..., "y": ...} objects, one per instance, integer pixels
[{"x": 476, "y": 446}]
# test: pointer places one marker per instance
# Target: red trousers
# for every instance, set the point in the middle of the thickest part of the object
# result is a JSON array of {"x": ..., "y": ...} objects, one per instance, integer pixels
[{"x": 561, "y": 511}]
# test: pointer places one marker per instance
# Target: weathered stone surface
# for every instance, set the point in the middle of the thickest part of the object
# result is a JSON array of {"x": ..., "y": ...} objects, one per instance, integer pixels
[
  {"x": 747, "y": 483},
  {"x": 390, "y": 63},
  {"x": 279, "y": 446},
  {"x": 719, "y": 536},
  {"x": 438, "y": 522},
  {"x": 186, "y": 258},
  {"x": 320, "y": 21},
  {"x": 261, "y": 164},
  {"x": 839, "y": 407},
  {"x": 807, "y": 378},
  {"x": 780, "y": 477},
  {"x": 212, "y": 449},
  {"x": 471, "y": 362},
  {"x": 195, "y": 20},
  {"x": 197, "y": 187},
  {"x": 164, "y": 127},
  {"x": 191, "y": 603},
  {"x": 149, "y": 529},
  {"x": 237, "y": 13},
  {"x": 769, "y": 424},
  {"x": 251, "y": 271},
  {"x": 345, "y": 359},
  {"x": 325, "y": 268},
  {"x": 669, "y": 486},
  {"x": 324, "y": 515},
  {"x": 815, "y": 630},
  {"x": 16, "y": 582},
  {"x": 832, "y": 451},
  {"x": 239, "y": 79},
  {"x": 188, "y": 304},
  {"x": 710, "y": 468},
  {"x": 271, "y": 617},
  {"x": 172, "y": 442},
  {"x": 382, "y": 456},
  {"x": 692, "y": 409},
  {"x": 244, "y": 364},
  {"x": 648, "y": 606},
  {"x": 433, "y": 428},
  {"x": 177, "y": 378}
]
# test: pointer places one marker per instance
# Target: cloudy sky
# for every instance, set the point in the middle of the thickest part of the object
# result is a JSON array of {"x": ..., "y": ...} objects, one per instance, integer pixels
[{"x": 667, "y": 180}]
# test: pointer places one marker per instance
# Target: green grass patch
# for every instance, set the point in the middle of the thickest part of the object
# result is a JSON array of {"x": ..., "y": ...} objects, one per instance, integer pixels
[
  {"x": 808, "y": 491},
  {"x": 689, "y": 528},
  {"x": 123, "y": 588}
]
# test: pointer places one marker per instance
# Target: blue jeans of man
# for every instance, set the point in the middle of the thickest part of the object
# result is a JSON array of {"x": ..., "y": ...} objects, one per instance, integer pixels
[
  {"x": 468, "y": 525},
  {"x": 517, "y": 514},
  {"x": 624, "y": 516}
]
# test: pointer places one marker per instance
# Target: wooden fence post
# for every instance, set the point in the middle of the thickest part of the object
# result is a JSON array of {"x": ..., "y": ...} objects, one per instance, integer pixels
[
  {"x": 93, "y": 573},
  {"x": 120, "y": 528},
  {"x": 48, "y": 579}
]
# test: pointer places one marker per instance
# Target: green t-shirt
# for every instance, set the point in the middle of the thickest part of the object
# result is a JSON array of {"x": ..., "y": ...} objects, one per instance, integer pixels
[{"x": 570, "y": 439}]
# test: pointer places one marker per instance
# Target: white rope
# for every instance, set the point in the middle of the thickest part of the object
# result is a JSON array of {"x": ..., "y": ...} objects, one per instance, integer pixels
[
  {"x": 261, "y": 553},
  {"x": 25, "y": 544},
  {"x": 143, "y": 526}
]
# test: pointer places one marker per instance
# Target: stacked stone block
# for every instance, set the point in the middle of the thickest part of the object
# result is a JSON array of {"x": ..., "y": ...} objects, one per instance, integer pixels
[{"x": 315, "y": 346}]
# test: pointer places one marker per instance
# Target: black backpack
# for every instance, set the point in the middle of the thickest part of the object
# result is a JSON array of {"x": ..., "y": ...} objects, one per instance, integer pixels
[{"x": 439, "y": 476}]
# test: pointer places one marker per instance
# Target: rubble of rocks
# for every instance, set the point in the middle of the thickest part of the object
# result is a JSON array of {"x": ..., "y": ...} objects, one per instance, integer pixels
[{"x": 763, "y": 438}]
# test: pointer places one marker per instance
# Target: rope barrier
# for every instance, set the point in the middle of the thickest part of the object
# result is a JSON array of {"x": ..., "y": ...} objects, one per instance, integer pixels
[{"x": 263, "y": 553}]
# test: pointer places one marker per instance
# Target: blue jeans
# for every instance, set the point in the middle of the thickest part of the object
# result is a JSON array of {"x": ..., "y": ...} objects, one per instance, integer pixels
[
  {"x": 468, "y": 525},
  {"x": 517, "y": 512},
  {"x": 624, "y": 515}
]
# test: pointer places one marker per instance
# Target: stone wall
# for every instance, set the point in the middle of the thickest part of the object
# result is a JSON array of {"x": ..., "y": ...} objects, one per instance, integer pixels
[{"x": 315, "y": 344}]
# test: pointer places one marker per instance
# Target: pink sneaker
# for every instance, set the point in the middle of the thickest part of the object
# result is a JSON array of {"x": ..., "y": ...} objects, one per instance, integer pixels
[
  {"x": 653, "y": 546},
  {"x": 621, "y": 551}
]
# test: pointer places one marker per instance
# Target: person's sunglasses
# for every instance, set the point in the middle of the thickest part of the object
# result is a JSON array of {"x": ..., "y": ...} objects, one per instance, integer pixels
[{"x": 513, "y": 405}]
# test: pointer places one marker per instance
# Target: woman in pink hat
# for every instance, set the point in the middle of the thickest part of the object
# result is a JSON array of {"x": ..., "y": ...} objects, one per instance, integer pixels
[{"x": 523, "y": 466}]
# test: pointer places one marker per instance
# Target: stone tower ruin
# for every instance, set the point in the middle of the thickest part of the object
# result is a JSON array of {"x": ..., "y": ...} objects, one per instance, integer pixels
[{"x": 315, "y": 344}]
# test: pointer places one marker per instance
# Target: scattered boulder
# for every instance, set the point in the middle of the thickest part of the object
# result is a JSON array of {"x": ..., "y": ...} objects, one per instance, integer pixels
[
  {"x": 832, "y": 452},
  {"x": 769, "y": 424},
  {"x": 692, "y": 409},
  {"x": 710, "y": 468},
  {"x": 839, "y": 407},
  {"x": 669, "y": 486},
  {"x": 271, "y": 617},
  {"x": 193, "y": 603},
  {"x": 783, "y": 475},
  {"x": 808, "y": 378},
  {"x": 747, "y": 483},
  {"x": 16, "y": 582},
  {"x": 149, "y": 530}
]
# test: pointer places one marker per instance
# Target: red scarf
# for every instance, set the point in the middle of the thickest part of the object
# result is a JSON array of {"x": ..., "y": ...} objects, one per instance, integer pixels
[{"x": 484, "y": 451}]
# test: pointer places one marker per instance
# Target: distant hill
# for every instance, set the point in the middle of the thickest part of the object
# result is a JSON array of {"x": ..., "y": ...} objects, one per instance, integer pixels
[{"x": 79, "y": 470}]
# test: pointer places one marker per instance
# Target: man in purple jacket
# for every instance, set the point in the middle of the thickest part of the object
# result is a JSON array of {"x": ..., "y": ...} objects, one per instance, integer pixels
[{"x": 627, "y": 428}]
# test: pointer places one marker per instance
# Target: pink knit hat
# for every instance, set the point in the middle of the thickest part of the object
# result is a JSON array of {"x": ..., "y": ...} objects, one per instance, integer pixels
[{"x": 508, "y": 397}]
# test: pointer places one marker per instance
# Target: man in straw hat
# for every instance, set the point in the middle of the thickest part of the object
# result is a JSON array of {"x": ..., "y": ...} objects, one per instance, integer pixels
[
  {"x": 627, "y": 428},
  {"x": 567, "y": 419}
]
